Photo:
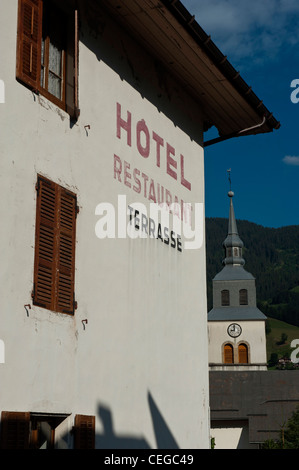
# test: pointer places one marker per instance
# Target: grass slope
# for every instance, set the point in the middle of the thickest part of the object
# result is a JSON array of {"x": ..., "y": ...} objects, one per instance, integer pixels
[{"x": 276, "y": 329}]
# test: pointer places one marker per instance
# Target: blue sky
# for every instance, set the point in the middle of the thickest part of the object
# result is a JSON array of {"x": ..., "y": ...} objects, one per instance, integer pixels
[{"x": 261, "y": 40}]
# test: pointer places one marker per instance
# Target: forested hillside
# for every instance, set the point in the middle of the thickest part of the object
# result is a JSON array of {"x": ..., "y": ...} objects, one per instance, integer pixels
[{"x": 271, "y": 256}]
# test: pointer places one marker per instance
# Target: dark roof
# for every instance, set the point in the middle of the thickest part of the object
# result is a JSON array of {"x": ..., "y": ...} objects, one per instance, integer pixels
[
  {"x": 239, "y": 313},
  {"x": 233, "y": 273},
  {"x": 173, "y": 37},
  {"x": 265, "y": 398}
]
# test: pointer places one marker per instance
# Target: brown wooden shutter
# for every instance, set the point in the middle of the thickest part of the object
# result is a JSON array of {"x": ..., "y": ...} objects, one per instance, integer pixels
[
  {"x": 66, "y": 251},
  {"x": 72, "y": 65},
  {"x": 15, "y": 428},
  {"x": 243, "y": 354},
  {"x": 228, "y": 354},
  {"x": 84, "y": 437},
  {"x": 54, "y": 270},
  {"x": 29, "y": 42},
  {"x": 45, "y": 244}
]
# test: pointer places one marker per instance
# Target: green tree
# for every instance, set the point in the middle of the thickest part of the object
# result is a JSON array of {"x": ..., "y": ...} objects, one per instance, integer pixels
[
  {"x": 289, "y": 435},
  {"x": 273, "y": 360},
  {"x": 283, "y": 338}
]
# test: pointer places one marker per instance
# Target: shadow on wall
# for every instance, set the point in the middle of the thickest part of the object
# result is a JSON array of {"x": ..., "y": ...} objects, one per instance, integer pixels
[
  {"x": 101, "y": 35},
  {"x": 109, "y": 440}
]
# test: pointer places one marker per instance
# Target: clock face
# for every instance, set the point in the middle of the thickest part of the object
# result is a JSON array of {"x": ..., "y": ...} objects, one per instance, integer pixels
[{"x": 234, "y": 330}]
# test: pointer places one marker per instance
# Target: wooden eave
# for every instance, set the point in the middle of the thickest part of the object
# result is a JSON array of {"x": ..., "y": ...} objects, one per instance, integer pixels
[{"x": 172, "y": 36}]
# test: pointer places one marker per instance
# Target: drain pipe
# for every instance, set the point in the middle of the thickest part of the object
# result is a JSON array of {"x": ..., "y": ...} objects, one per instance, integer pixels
[{"x": 234, "y": 134}]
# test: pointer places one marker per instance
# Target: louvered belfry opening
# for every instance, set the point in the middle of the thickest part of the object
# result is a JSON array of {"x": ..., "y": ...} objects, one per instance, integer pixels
[
  {"x": 225, "y": 301},
  {"x": 243, "y": 297},
  {"x": 54, "y": 267}
]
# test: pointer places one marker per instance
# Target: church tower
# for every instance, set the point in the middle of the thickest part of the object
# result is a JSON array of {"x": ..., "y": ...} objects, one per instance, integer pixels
[{"x": 237, "y": 338}]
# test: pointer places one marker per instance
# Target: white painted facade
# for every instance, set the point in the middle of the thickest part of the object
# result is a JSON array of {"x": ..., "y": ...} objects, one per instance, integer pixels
[
  {"x": 232, "y": 435},
  {"x": 142, "y": 356},
  {"x": 253, "y": 335},
  {"x": 236, "y": 327}
]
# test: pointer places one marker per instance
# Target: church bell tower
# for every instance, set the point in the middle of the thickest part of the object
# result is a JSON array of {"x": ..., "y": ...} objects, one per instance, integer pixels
[{"x": 237, "y": 338}]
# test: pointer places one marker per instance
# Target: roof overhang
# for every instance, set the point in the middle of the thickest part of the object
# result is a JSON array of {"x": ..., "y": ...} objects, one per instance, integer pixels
[
  {"x": 171, "y": 35},
  {"x": 240, "y": 313}
]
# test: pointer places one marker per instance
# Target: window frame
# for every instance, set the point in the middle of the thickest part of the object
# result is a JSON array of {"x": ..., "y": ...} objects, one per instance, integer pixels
[
  {"x": 29, "y": 47},
  {"x": 44, "y": 90},
  {"x": 54, "y": 260}
]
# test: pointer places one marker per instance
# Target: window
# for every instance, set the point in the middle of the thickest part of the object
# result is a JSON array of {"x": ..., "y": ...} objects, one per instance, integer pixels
[
  {"x": 47, "y": 51},
  {"x": 228, "y": 354},
  {"x": 243, "y": 353},
  {"x": 243, "y": 297},
  {"x": 225, "y": 298},
  {"x": 236, "y": 252},
  {"x": 55, "y": 237},
  {"x": 42, "y": 429},
  {"x": 25, "y": 430}
]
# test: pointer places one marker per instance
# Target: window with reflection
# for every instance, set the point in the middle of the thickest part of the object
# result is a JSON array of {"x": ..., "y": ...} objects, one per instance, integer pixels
[
  {"x": 53, "y": 47},
  {"x": 47, "y": 51}
]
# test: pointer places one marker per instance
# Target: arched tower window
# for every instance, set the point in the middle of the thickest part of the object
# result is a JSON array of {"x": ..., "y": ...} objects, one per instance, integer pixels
[
  {"x": 243, "y": 296},
  {"x": 225, "y": 298},
  {"x": 228, "y": 354},
  {"x": 243, "y": 353}
]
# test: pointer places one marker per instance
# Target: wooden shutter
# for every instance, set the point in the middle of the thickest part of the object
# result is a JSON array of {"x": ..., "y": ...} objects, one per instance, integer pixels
[
  {"x": 66, "y": 251},
  {"x": 84, "y": 437},
  {"x": 243, "y": 353},
  {"x": 29, "y": 42},
  {"x": 45, "y": 244},
  {"x": 54, "y": 270},
  {"x": 15, "y": 429},
  {"x": 228, "y": 354},
  {"x": 72, "y": 65}
]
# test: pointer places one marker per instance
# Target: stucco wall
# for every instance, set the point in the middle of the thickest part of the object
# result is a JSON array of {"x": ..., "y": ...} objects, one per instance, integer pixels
[
  {"x": 141, "y": 359},
  {"x": 231, "y": 435},
  {"x": 234, "y": 287}
]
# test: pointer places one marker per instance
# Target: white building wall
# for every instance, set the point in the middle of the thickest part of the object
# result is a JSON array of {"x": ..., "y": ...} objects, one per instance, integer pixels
[
  {"x": 143, "y": 353},
  {"x": 231, "y": 435},
  {"x": 253, "y": 335}
]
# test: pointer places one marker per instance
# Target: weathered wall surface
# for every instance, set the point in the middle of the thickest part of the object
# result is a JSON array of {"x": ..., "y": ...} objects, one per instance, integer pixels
[{"x": 141, "y": 360}]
